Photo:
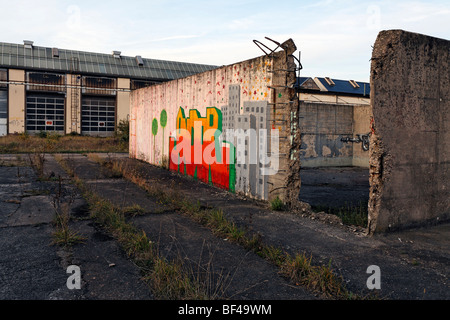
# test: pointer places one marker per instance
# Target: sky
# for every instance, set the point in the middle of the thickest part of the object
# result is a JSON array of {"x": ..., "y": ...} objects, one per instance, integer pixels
[{"x": 334, "y": 38}]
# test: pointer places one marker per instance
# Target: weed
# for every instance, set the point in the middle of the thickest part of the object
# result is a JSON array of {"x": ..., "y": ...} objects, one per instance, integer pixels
[
  {"x": 273, "y": 254},
  {"x": 277, "y": 204},
  {"x": 134, "y": 210},
  {"x": 297, "y": 268},
  {"x": 63, "y": 235},
  {"x": 123, "y": 131}
]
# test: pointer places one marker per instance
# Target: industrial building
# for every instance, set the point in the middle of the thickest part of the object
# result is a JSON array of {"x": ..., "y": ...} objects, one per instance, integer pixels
[
  {"x": 64, "y": 91},
  {"x": 334, "y": 122}
]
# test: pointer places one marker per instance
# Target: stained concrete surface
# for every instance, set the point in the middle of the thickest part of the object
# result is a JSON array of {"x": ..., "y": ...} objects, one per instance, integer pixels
[
  {"x": 31, "y": 268},
  {"x": 414, "y": 264},
  {"x": 410, "y": 99}
]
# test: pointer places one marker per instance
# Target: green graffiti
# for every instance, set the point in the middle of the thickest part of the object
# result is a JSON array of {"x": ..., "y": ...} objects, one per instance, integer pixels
[
  {"x": 163, "y": 118},
  {"x": 154, "y": 127},
  {"x": 163, "y": 123},
  {"x": 154, "y": 132}
]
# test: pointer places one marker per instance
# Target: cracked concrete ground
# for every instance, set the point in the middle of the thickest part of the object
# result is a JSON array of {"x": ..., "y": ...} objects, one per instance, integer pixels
[
  {"x": 31, "y": 268},
  {"x": 414, "y": 264}
]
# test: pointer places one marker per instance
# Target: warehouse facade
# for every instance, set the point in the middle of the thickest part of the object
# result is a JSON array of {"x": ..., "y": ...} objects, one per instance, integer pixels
[
  {"x": 65, "y": 91},
  {"x": 335, "y": 118}
]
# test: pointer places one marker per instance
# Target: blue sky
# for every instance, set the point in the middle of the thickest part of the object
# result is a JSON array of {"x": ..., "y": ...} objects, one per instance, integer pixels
[{"x": 334, "y": 36}]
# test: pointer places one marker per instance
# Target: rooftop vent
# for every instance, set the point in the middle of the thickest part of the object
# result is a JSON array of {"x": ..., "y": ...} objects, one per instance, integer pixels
[
  {"x": 354, "y": 84},
  {"x": 329, "y": 81},
  {"x": 116, "y": 54},
  {"x": 28, "y": 44},
  {"x": 139, "y": 61}
]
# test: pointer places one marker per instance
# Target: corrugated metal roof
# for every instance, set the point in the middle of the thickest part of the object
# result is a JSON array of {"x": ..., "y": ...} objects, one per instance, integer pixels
[
  {"x": 344, "y": 86},
  {"x": 100, "y": 64},
  {"x": 340, "y": 86}
]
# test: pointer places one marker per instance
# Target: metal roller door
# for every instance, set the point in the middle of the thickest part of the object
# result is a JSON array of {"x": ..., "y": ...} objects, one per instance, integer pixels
[
  {"x": 98, "y": 116},
  {"x": 45, "y": 113}
]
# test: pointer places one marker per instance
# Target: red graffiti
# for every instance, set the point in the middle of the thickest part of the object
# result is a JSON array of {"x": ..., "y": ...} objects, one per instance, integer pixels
[{"x": 216, "y": 173}]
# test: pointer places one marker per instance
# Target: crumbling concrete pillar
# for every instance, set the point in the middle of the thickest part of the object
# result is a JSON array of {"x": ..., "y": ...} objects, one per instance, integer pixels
[
  {"x": 410, "y": 143},
  {"x": 284, "y": 116}
]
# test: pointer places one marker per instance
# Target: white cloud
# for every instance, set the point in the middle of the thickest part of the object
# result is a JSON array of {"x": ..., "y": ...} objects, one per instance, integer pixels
[{"x": 335, "y": 37}]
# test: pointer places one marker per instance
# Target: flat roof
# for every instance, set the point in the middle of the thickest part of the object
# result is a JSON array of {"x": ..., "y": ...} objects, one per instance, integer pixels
[{"x": 90, "y": 63}]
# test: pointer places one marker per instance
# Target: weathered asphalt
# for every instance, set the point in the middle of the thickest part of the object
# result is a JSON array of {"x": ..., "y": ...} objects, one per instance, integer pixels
[{"x": 414, "y": 264}]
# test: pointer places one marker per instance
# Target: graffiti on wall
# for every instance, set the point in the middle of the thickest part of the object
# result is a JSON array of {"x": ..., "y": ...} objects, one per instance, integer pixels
[
  {"x": 187, "y": 122},
  {"x": 226, "y": 147},
  {"x": 196, "y": 150}
]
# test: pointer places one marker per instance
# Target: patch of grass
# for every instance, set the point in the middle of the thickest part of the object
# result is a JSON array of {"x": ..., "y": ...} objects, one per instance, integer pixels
[
  {"x": 134, "y": 210},
  {"x": 320, "y": 278},
  {"x": 55, "y": 143},
  {"x": 63, "y": 234},
  {"x": 349, "y": 214},
  {"x": 354, "y": 215}
]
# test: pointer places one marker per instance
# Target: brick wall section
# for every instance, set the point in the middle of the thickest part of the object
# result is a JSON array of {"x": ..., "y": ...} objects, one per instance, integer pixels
[{"x": 410, "y": 144}]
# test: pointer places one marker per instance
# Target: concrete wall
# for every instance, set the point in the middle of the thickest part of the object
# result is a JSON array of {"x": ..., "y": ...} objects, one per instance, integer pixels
[
  {"x": 410, "y": 145},
  {"x": 323, "y": 125},
  {"x": 362, "y": 114},
  {"x": 253, "y": 94}
]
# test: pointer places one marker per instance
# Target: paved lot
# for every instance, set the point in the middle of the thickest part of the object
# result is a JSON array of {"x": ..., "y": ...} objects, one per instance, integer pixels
[
  {"x": 414, "y": 264},
  {"x": 335, "y": 187}
]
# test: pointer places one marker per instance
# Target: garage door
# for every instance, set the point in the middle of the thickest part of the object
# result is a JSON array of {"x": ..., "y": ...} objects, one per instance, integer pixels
[
  {"x": 98, "y": 116},
  {"x": 3, "y": 113},
  {"x": 45, "y": 113}
]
